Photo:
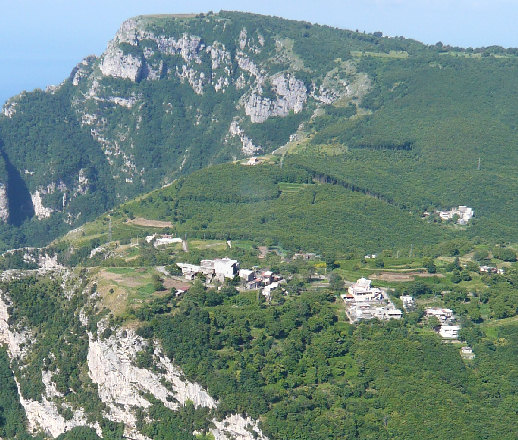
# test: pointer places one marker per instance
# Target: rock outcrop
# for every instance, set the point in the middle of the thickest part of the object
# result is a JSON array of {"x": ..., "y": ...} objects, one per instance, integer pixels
[
  {"x": 166, "y": 92},
  {"x": 39, "y": 210},
  {"x": 248, "y": 149},
  {"x": 4, "y": 204},
  {"x": 43, "y": 415},
  {"x": 291, "y": 96},
  {"x": 121, "y": 385},
  {"x": 237, "y": 427}
]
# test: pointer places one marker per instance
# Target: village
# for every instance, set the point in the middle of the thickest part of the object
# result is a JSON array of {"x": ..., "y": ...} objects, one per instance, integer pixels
[
  {"x": 220, "y": 269},
  {"x": 362, "y": 300},
  {"x": 461, "y": 214},
  {"x": 370, "y": 287}
]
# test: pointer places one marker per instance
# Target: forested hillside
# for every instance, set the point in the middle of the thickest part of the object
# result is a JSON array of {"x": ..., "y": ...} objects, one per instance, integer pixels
[
  {"x": 173, "y": 94},
  {"x": 311, "y": 157}
]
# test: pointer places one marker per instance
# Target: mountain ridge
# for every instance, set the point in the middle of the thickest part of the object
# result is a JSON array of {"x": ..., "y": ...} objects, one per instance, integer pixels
[{"x": 170, "y": 96}]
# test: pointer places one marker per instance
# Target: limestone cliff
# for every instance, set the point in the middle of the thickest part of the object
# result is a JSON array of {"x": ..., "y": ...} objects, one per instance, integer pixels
[
  {"x": 122, "y": 387},
  {"x": 169, "y": 94}
]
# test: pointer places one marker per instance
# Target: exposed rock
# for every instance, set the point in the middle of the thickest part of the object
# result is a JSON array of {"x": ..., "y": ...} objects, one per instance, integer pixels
[
  {"x": 237, "y": 427},
  {"x": 82, "y": 70},
  {"x": 189, "y": 47},
  {"x": 82, "y": 182},
  {"x": 116, "y": 63},
  {"x": 52, "y": 89},
  {"x": 242, "y": 39},
  {"x": 249, "y": 66},
  {"x": 324, "y": 95},
  {"x": 14, "y": 340},
  {"x": 120, "y": 382},
  {"x": 291, "y": 96},
  {"x": 221, "y": 66},
  {"x": 195, "y": 78},
  {"x": 9, "y": 108},
  {"x": 4, "y": 204},
  {"x": 123, "y": 102},
  {"x": 43, "y": 415},
  {"x": 40, "y": 211},
  {"x": 248, "y": 149},
  {"x": 46, "y": 263}
]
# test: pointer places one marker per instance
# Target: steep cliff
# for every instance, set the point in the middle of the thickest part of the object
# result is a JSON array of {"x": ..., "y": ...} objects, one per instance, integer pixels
[
  {"x": 111, "y": 385},
  {"x": 169, "y": 95}
]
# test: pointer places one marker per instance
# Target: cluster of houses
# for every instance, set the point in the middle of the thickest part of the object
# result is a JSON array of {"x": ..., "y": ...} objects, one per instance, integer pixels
[
  {"x": 490, "y": 269},
  {"x": 448, "y": 329},
  {"x": 366, "y": 302},
  {"x": 220, "y": 269},
  {"x": 464, "y": 214},
  {"x": 213, "y": 270}
]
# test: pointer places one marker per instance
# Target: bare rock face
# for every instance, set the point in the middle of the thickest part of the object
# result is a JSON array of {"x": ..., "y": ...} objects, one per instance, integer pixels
[
  {"x": 291, "y": 96},
  {"x": 121, "y": 384},
  {"x": 40, "y": 211},
  {"x": 82, "y": 70},
  {"x": 111, "y": 365},
  {"x": 116, "y": 63},
  {"x": 4, "y": 204},
  {"x": 12, "y": 339},
  {"x": 248, "y": 149},
  {"x": 9, "y": 108},
  {"x": 41, "y": 415},
  {"x": 44, "y": 416},
  {"x": 237, "y": 427}
]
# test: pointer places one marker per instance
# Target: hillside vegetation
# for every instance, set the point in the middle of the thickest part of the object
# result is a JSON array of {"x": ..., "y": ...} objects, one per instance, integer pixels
[
  {"x": 358, "y": 139},
  {"x": 173, "y": 94}
]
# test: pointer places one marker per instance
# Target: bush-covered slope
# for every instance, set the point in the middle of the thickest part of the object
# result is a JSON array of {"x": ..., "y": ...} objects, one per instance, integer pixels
[
  {"x": 173, "y": 94},
  {"x": 286, "y": 207}
]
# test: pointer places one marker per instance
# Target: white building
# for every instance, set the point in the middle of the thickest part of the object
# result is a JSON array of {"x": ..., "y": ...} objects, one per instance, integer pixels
[
  {"x": 442, "y": 315},
  {"x": 408, "y": 302},
  {"x": 449, "y": 331},
  {"x": 150, "y": 238},
  {"x": 225, "y": 267},
  {"x": 467, "y": 352},
  {"x": 366, "y": 302},
  {"x": 362, "y": 291},
  {"x": 464, "y": 213},
  {"x": 388, "y": 312},
  {"x": 219, "y": 268},
  {"x": 267, "y": 291},
  {"x": 163, "y": 241},
  {"x": 246, "y": 274},
  {"x": 189, "y": 270}
]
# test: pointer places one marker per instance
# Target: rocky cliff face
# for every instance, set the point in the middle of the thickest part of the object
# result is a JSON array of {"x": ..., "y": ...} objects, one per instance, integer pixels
[
  {"x": 169, "y": 95},
  {"x": 121, "y": 386},
  {"x": 4, "y": 204}
]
